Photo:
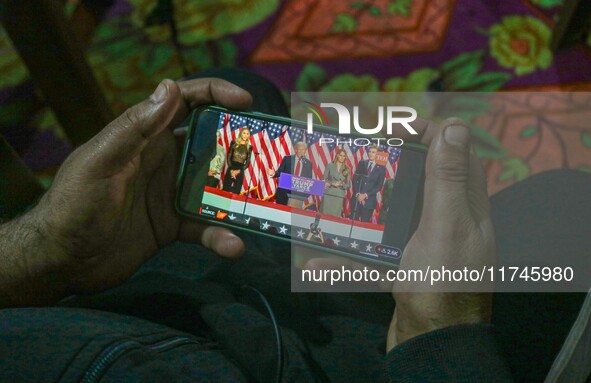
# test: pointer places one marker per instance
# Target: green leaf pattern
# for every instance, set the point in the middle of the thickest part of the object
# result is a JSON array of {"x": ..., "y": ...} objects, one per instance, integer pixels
[
  {"x": 529, "y": 132},
  {"x": 514, "y": 169},
  {"x": 547, "y": 3},
  {"x": 129, "y": 60},
  {"x": 344, "y": 22},
  {"x": 311, "y": 78},
  {"x": 399, "y": 7},
  {"x": 12, "y": 68}
]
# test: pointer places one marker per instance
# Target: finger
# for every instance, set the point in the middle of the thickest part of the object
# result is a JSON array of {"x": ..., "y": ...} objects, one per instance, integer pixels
[
  {"x": 207, "y": 91},
  {"x": 222, "y": 241},
  {"x": 447, "y": 176},
  {"x": 425, "y": 130},
  {"x": 477, "y": 190},
  {"x": 332, "y": 263},
  {"x": 477, "y": 186},
  {"x": 125, "y": 138}
]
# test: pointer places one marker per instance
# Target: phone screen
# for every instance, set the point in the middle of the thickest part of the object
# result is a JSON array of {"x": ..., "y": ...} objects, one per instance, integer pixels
[{"x": 271, "y": 176}]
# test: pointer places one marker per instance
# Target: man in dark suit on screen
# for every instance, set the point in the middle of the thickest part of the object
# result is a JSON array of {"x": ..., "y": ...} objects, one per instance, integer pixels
[
  {"x": 368, "y": 180},
  {"x": 296, "y": 164}
]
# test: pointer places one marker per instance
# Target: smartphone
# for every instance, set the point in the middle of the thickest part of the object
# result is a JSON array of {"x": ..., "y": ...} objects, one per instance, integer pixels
[{"x": 267, "y": 175}]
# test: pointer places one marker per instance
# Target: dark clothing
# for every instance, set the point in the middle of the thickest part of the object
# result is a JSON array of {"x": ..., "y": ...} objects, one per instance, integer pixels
[
  {"x": 189, "y": 296},
  {"x": 386, "y": 200},
  {"x": 450, "y": 352},
  {"x": 212, "y": 181},
  {"x": 208, "y": 335},
  {"x": 543, "y": 219},
  {"x": 366, "y": 182},
  {"x": 288, "y": 165},
  {"x": 238, "y": 159},
  {"x": 361, "y": 213}
]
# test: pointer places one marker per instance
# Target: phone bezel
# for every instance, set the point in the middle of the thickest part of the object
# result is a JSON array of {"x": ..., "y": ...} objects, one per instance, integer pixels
[{"x": 209, "y": 132}]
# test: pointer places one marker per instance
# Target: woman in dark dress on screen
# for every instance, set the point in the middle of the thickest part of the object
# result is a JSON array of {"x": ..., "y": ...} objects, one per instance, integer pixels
[{"x": 238, "y": 162}]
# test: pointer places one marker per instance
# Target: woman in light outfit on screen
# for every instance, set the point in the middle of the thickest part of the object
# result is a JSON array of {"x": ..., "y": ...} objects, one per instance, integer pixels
[{"x": 337, "y": 178}]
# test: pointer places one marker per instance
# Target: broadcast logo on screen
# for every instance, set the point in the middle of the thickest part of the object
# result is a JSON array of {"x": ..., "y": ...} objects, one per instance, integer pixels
[{"x": 388, "y": 116}]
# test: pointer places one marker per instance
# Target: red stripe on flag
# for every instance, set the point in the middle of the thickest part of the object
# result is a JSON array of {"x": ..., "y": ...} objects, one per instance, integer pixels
[{"x": 266, "y": 186}]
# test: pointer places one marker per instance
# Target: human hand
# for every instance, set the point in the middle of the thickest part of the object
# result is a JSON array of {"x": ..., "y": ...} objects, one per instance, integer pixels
[
  {"x": 234, "y": 173},
  {"x": 455, "y": 230},
  {"x": 112, "y": 202},
  {"x": 211, "y": 173},
  {"x": 270, "y": 172}
]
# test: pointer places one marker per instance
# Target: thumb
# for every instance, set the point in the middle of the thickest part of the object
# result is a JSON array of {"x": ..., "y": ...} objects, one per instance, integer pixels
[
  {"x": 125, "y": 138},
  {"x": 447, "y": 176}
]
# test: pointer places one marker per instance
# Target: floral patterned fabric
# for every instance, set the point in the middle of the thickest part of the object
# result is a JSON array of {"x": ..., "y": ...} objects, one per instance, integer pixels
[{"x": 322, "y": 45}]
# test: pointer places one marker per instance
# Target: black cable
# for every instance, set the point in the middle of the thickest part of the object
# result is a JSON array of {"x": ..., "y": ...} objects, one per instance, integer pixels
[{"x": 278, "y": 340}]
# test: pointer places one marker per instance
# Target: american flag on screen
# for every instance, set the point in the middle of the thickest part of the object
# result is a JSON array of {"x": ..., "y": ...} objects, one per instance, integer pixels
[
  {"x": 274, "y": 141},
  {"x": 391, "y": 168},
  {"x": 319, "y": 154},
  {"x": 270, "y": 142}
]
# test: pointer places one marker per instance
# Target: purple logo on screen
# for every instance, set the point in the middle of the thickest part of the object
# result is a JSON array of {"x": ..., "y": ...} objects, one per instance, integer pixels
[{"x": 301, "y": 184}]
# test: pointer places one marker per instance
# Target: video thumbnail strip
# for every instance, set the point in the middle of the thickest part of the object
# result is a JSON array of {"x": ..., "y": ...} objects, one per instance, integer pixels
[
  {"x": 301, "y": 233},
  {"x": 291, "y": 216},
  {"x": 353, "y": 236}
]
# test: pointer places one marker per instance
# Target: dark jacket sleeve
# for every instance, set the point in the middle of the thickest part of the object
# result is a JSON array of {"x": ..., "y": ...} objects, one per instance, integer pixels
[
  {"x": 307, "y": 171},
  {"x": 463, "y": 353},
  {"x": 379, "y": 184},
  {"x": 282, "y": 167}
]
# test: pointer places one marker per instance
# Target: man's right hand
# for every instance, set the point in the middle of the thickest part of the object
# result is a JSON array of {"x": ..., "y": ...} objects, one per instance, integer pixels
[{"x": 455, "y": 230}]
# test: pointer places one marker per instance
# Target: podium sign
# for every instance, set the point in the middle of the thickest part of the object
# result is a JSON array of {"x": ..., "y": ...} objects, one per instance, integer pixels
[
  {"x": 301, "y": 184},
  {"x": 382, "y": 158}
]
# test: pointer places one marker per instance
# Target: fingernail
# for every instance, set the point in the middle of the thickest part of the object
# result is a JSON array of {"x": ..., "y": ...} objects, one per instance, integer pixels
[
  {"x": 159, "y": 94},
  {"x": 231, "y": 246},
  {"x": 457, "y": 135}
]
